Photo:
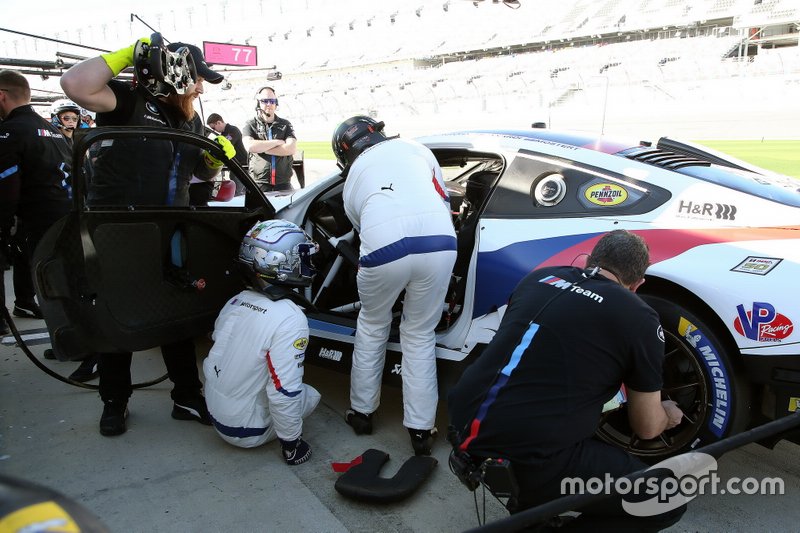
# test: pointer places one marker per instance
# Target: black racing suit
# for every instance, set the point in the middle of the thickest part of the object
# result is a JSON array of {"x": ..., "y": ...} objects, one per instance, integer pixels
[
  {"x": 272, "y": 173},
  {"x": 35, "y": 185},
  {"x": 146, "y": 172},
  {"x": 535, "y": 395}
]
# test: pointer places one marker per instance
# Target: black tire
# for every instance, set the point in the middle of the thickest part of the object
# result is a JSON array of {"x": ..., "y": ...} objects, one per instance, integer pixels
[{"x": 701, "y": 375}]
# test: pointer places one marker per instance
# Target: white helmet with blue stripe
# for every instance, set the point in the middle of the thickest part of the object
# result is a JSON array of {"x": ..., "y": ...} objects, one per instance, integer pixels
[{"x": 279, "y": 252}]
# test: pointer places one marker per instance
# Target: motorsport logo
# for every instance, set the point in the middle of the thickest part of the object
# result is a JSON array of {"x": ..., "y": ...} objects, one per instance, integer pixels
[
  {"x": 671, "y": 483},
  {"x": 762, "y": 323},
  {"x": 606, "y": 194}
]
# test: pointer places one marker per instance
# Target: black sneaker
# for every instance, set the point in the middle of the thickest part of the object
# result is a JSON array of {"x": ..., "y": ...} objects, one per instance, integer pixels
[
  {"x": 49, "y": 354},
  {"x": 4, "y": 329},
  {"x": 422, "y": 440},
  {"x": 27, "y": 310},
  {"x": 361, "y": 423},
  {"x": 87, "y": 370},
  {"x": 112, "y": 422},
  {"x": 192, "y": 409}
]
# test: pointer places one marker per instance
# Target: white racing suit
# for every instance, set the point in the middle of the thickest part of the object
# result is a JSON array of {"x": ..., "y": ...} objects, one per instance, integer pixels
[
  {"x": 254, "y": 372},
  {"x": 396, "y": 199}
]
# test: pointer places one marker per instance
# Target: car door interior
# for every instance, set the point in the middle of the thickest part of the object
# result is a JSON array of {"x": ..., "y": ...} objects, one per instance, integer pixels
[{"x": 134, "y": 277}]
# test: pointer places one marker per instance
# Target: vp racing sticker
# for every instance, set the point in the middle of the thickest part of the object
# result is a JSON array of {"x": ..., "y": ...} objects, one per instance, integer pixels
[
  {"x": 762, "y": 323},
  {"x": 720, "y": 383}
]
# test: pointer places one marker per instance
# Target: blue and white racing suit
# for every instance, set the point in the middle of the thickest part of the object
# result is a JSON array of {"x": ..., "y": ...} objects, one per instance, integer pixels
[
  {"x": 254, "y": 372},
  {"x": 396, "y": 199}
]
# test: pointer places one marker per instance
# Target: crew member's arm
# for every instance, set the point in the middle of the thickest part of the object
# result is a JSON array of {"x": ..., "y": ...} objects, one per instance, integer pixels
[
  {"x": 10, "y": 177},
  {"x": 86, "y": 83},
  {"x": 648, "y": 416},
  {"x": 209, "y": 166},
  {"x": 258, "y": 146}
]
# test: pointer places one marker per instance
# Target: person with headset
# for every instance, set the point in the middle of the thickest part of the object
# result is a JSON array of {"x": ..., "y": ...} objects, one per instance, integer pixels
[
  {"x": 254, "y": 371},
  {"x": 568, "y": 340},
  {"x": 395, "y": 197},
  {"x": 146, "y": 172},
  {"x": 271, "y": 142},
  {"x": 66, "y": 116}
]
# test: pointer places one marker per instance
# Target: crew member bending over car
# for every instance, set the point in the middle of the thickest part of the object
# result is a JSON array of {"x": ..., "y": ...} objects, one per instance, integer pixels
[
  {"x": 145, "y": 172},
  {"x": 568, "y": 340},
  {"x": 254, "y": 372},
  {"x": 396, "y": 199}
]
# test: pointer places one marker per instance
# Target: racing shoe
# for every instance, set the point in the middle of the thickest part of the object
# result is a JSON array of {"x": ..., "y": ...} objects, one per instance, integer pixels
[
  {"x": 87, "y": 370},
  {"x": 112, "y": 421},
  {"x": 361, "y": 423},
  {"x": 27, "y": 310},
  {"x": 192, "y": 409},
  {"x": 422, "y": 440}
]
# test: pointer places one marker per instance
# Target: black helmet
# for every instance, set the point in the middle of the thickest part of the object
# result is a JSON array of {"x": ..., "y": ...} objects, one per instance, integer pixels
[{"x": 353, "y": 136}]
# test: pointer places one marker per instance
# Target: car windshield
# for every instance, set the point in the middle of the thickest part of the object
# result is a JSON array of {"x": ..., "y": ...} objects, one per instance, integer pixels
[{"x": 775, "y": 187}]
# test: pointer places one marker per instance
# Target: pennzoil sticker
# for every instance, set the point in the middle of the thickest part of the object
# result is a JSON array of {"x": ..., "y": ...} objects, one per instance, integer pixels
[
  {"x": 606, "y": 194},
  {"x": 759, "y": 266},
  {"x": 300, "y": 343}
]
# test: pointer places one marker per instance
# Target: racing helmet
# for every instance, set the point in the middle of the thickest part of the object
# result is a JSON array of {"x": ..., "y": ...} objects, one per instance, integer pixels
[
  {"x": 61, "y": 106},
  {"x": 353, "y": 136},
  {"x": 278, "y": 252}
]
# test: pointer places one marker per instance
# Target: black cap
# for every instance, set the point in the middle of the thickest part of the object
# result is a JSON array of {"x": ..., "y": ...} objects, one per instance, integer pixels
[{"x": 203, "y": 70}]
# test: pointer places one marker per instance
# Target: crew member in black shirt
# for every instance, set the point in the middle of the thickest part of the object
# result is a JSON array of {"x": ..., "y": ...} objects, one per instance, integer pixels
[
  {"x": 568, "y": 340},
  {"x": 145, "y": 172},
  {"x": 35, "y": 182},
  {"x": 271, "y": 142}
]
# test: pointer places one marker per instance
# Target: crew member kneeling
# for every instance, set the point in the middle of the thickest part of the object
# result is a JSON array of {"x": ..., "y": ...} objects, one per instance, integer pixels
[
  {"x": 254, "y": 372},
  {"x": 536, "y": 393}
]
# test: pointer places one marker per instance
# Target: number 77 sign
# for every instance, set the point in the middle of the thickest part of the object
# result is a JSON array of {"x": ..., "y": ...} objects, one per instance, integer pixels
[{"x": 240, "y": 55}]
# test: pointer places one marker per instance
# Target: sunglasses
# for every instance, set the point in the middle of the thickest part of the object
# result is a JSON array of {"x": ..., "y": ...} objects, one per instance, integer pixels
[{"x": 268, "y": 101}]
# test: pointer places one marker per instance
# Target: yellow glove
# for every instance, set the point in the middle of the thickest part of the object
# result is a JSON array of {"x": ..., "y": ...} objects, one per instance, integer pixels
[
  {"x": 123, "y": 58},
  {"x": 226, "y": 146}
]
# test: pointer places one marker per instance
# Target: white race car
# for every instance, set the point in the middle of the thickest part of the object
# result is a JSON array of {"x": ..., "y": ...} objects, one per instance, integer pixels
[{"x": 724, "y": 239}]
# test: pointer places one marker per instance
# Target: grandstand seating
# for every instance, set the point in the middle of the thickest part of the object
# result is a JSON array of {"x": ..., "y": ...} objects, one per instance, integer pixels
[{"x": 433, "y": 64}]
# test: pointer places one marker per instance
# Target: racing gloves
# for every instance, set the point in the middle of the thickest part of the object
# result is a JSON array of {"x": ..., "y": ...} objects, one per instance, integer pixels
[
  {"x": 226, "y": 146},
  {"x": 296, "y": 451},
  {"x": 122, "y": 58}
]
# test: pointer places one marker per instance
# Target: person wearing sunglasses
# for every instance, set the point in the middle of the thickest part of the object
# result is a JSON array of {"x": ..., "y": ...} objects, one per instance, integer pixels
[
  {"x": 271, "y": 142},
  {"x": 66, "y": 116}
]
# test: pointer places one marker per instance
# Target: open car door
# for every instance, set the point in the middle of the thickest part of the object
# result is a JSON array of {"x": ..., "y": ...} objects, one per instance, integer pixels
[{"x": 133, "y": 277}]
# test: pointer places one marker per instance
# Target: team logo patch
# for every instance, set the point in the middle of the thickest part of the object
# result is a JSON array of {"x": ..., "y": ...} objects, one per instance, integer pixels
[
  {"x": 300, "y": 343},
  {"x": 333, "y": 355},
  {"x": 762, "y": 323},
  {"x": 150, "y": 106},
  {"x": 760, "y": 266},
  {"x": 606, "y": 194},
  {"x": 660, "y": 333}
]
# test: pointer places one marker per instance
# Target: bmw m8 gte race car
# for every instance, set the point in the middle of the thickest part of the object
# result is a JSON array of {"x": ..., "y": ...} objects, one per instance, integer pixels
[{"x": 724, "y": 239}]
